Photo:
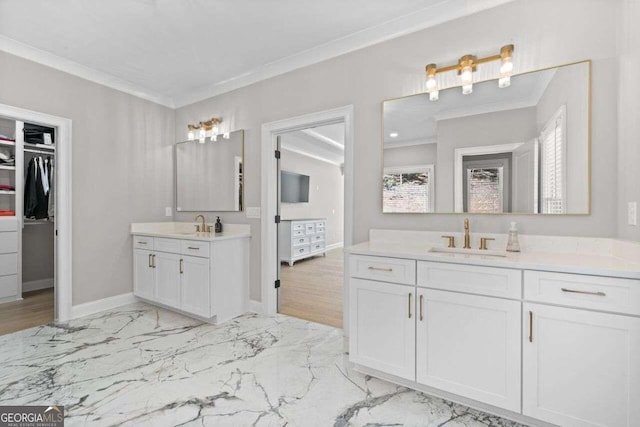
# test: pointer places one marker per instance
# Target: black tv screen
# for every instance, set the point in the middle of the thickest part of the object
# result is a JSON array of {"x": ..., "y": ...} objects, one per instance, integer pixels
[{"x": 294, "y": 187}]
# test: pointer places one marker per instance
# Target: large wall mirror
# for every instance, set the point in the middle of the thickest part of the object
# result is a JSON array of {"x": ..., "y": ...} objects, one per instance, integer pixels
[
  {"x": 521, "y": 149},
  {"x": 209, "y": 175}
]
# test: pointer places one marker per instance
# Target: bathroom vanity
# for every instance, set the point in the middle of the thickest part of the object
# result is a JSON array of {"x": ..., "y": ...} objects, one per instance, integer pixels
[
  {"x": 551, "y": 334},
  {"x": 203, "y": 275}
]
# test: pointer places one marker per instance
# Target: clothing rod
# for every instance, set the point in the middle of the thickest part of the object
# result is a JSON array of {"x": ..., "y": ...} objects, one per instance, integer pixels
[{"x": 31, "y": 150}]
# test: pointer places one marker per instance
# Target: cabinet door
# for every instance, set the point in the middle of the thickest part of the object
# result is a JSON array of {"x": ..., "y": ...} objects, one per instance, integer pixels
[
  {"x": 195, "y": 286},
  {"x": 143, "y": 277},
  {"x": 382, "y": 326},
  {"x": 581, "y": 368},
  {"x": 168, "y": 279},
  {"x": 470, "y": 345}
]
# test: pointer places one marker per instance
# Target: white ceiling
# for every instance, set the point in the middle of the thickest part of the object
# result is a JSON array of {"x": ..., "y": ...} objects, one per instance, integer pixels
[
  {"x": 324, "y": 143},
  {"x": 177, "y": 52},
  {"x": 414, "y": 118}
]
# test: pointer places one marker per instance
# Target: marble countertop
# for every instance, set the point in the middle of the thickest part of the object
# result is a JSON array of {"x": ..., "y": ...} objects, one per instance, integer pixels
[
  {"x": 579, "y": 263},
  {"x": 185, "y": 231}
]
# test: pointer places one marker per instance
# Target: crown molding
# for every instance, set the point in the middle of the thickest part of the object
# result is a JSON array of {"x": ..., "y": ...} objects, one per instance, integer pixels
[
  {"x": 306, "y": 153},
  {"x": 439, "y": 13},
  {"x": 66, "y": 65}
]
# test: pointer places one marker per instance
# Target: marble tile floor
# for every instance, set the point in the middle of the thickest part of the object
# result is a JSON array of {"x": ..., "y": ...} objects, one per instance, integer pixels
[{"x": 143, "y": 366}]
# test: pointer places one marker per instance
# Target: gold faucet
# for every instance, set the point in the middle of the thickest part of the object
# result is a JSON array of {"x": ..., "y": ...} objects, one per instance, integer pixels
[
  {"x": 201, "y": 228},
  {"x": 467, "y": 239}
]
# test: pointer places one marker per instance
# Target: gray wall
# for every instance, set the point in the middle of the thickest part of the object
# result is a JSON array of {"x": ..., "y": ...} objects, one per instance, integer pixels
[
  {"x": 629, "y": 118},
  {"x": 326, "y": 193},
  {"x": 396, "y": 68},
  {"x": 122, "y": 167},
  {"x": 37, "y": 247},
  {"x": 423, "y": 154}
]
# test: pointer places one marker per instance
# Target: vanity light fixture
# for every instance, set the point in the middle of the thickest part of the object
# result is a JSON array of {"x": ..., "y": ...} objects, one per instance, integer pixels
[
  {"x": 465, "y": 68},
  {"x": 192, "y": 132},
  {"x": 207, "y": 128}
]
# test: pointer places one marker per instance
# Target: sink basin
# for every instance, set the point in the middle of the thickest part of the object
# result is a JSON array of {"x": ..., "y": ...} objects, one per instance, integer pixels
[{"x": 473, "y": 252}]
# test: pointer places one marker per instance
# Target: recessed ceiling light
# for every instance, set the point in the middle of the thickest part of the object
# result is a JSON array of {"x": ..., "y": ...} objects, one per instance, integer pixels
[{"x": 393, "y": 134}]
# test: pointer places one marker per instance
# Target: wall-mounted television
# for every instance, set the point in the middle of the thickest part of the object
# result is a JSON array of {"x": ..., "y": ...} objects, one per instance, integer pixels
[{"x": 294, "y": 187}]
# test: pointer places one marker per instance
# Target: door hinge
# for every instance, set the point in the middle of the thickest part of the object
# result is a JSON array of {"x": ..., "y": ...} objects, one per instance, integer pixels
[
  {"x": 277, "y": 283},
  {"x": 277, "y": 219},
  {"x": 277, "y": 154}
]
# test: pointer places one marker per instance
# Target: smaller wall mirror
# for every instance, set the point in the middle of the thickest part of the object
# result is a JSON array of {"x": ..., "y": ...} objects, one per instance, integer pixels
[{"x": 210, "y": 175}]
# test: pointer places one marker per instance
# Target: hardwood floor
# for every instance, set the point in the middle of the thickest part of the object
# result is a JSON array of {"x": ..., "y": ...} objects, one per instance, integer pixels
[
  {"x": 312, "y": 289},
  {"x": 35, "y": 309}
]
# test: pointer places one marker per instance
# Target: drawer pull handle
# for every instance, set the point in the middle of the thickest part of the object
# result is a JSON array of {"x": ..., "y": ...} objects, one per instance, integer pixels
[
  {"x": 142, "y": 243},
  {"x": 530, "y": 326},
  {"x": 153, "y": 261},
  {"x": 301, "y": 250},
  {"x": 181, "y": 266},
  {"x": 410, "y": 296},
  {"x": 380, "y": 269},
  {"x": 192, "y": 248},
  {"x": 150, "y": 262},
  {"x": 421, "y": 307},
  {"x": 573, "y": 291}
]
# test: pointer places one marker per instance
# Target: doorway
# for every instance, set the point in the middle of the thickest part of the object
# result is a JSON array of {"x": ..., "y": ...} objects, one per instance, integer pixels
[
  {"x": 270, "y": 196},
  {"x": 311, "y": 228}
]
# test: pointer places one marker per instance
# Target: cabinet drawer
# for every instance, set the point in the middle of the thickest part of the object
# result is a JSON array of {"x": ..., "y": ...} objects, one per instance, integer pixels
[
  {"x": 300, "y": 250},
  {"x": 319, "y": 224},
  {"x": 142, "y": 242},
  {"x": 8, "y": 286},
  {"x": 8, "y": 242},
  {"x": 167, "y": 245},
  {"x": 317, "y": 238},
  {"x": 297, "y": 227},
  {"x": 309, "y": 228},
  {"x": 8, "y": 264},
  {"x": 497, "y": 282},
  {"x": 297, "y": 241},
  {"x": 299, "y": 232},
  {"x": 385, "y": 269},
  {"x": 576, "y": 290},
  {"x": 317, "y": 247},
  {"x": 195, "y": 248}
]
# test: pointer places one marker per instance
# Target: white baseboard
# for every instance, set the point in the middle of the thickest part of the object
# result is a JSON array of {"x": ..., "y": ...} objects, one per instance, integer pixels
[
  {"x": 93, "y": 307},
  {"x": 36, "y": 285},
  {"x": 255, "y": 306},
  {"x": 335, "y": 246}
]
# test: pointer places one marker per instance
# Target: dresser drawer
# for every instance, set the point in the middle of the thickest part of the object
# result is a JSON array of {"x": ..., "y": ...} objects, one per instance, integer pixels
[
  {"x": 299, "y": 226},
  {"x": 319, "y": 224},
  {"x": 394, "y": 270},
  {"x": 299, "y": 251},
  {"x": 297, "y": 233},
  {"x": 317, "y": 238},
  {"x": 576, "y": 290},
  {"x": 8, "y": 242},
  {"x": 8, "y": 264},
  {"x": 317, "y": 247},
  {"x": 8, "y": 286},
  {"x": 142, "y": 242},
  {"x": 167, "y": 245},
  {"x": 195, "y": 248},
  {"x": 497, "y": 282},
  {"x": 297, "y": 241},
  {"x": 309, "y": 228}
]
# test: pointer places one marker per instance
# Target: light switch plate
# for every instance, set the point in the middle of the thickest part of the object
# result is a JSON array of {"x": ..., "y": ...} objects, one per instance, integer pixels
[
  {"x": 167, "y": 211},
  {"x": 632, "y": 213},
  {"x": 253, "y": 212}
]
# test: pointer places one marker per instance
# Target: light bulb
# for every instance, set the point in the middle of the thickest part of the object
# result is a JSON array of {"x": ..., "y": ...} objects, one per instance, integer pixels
[
  {"x": 214, "y": 137},
  {"x": 434, "y": 95},
  {"x": 467, "y": 89},
  {"x": 506, "y": 67},
  {"x": 466, "y": 76},
  {"x": 504, "y": 82},
  {"x": 202, "y": 135},
  {"x": 226, "y": 135},
  {"x": 215, "y": 130},
  {"x": 191, "y": 136},
  {"x": 431, "y": 84}
]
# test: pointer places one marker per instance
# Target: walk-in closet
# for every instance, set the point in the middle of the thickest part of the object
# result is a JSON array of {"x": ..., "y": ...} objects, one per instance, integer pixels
[{"x": 27, "y": 224}]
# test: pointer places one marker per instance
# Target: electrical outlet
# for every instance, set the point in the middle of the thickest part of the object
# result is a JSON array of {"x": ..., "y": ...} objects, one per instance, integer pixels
[
  {"x": 167, "y": 211},
  {"x": 632, "y": 213}
]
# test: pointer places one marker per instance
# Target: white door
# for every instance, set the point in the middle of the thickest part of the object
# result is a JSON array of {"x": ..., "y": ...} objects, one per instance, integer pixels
[
  {"x": 143, "y": 277},
  {"x": 382, "y": 326},
  {"x": 525, "y": 178},
  {"x": 581, "y": 368},
  {"x": 469, "y": 345},
  {"x": 168, "y": 279},
  {"x": 195, "y": 286}
]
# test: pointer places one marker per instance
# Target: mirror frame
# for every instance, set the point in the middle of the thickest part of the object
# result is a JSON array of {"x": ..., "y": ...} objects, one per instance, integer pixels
[
  {"x": 589, "y": 132},
  {"x": 175, "y": 176}
]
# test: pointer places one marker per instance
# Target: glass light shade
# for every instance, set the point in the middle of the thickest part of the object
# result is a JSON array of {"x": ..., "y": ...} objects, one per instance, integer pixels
[
  {"x": 434, "y": 95},
  {"x": 191, "y": 135},
  {"x": 215, "y": 130},
  {"x": 504, "y": 82},
  {"x": 506, "y": 67},
  {"x": 202, "y": 135},
  {"x": 467, "y": 89},
  {"x": 431, "y": 84},
  {"x": 466, "y": 77},
  {"x": 214, "y": 137},
  {"x": 226, "y": 135}
]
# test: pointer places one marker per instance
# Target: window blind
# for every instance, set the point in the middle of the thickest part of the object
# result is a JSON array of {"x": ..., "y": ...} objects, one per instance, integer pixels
[{"x": 552, "y": 164}]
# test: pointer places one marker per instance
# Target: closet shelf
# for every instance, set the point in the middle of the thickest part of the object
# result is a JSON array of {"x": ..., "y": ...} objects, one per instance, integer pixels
[
  {"x": 7, "y": 143},
  {"x": 40, "y": 146},
  {"x": 7, "y": 168},
  {"x": 7, "y": 192}
]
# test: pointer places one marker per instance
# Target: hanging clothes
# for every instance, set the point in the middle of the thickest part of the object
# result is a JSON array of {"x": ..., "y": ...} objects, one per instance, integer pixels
[
  {"x": 51, "y": 207},
  {"x": 35, "y": 199}
]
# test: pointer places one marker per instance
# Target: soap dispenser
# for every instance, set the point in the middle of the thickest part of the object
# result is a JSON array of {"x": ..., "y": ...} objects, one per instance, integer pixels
[
  {"x": 513, "y": 245},
  {"x": 218, "y": 225}
]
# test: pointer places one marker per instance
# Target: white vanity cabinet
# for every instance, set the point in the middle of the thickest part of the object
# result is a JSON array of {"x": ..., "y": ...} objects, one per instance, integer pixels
[{"x": 205, "y": 279}]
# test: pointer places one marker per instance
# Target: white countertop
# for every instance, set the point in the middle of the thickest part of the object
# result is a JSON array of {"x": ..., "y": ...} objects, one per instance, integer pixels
[
  {"x": 579, "y": 263},
  {"x": 186, "y": 231}
]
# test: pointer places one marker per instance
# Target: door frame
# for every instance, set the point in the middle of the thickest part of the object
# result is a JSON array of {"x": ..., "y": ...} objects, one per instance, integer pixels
[
  {"x": 269, "y": 248},
  {"x": 63, "y": 225}
]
